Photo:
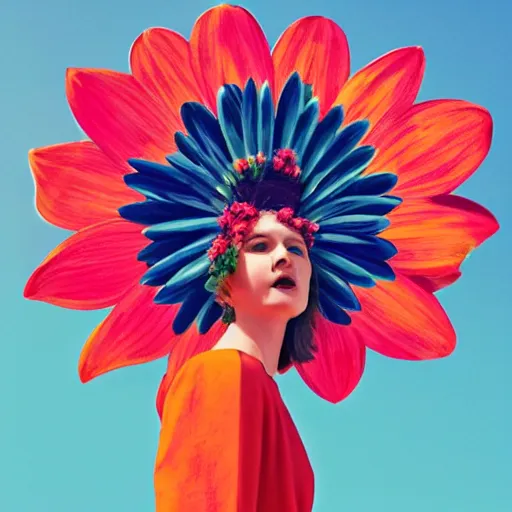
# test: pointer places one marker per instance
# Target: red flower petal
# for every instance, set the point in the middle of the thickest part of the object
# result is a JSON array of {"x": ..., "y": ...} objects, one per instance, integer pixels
[
  {"x": 384, "y": 88},
  {"x": 136, "y": 331},
  {"x": 160, "y": 60},
  {"x": 92, "y": 269},
  {"x": 229, "y": 47},
  {"x": 188, "y": 345},
  {"x": 318, "y": 49},
  {"x": 120, "y": 115},
  {"x": 78, "y": 185},
  {"x": 338, "y": 364},
  {"x": 434, "y": 236},
  {"x": 401, "y": 320},
  {"x": 433, "y": 147}
]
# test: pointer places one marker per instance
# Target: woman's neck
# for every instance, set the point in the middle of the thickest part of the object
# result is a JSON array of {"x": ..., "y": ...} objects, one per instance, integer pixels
[{"x": 260, "y": 338}]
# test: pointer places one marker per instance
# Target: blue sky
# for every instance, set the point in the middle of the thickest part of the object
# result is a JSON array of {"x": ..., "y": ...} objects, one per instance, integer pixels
[{"x": 413, "y": 436}]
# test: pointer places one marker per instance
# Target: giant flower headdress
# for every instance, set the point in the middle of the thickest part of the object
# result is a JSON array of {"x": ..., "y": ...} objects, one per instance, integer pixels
[{"x": 202, "y": 135}]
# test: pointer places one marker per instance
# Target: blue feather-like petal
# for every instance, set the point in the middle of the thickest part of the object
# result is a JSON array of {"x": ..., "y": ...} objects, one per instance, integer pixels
[
  {"x": 156, "y": 251},
  {"x": 190, "y": 308},
  {"x": 355, "y": 224},
  {"x": 266, "y": 121},
  {"x": 332, "y": 312},
  {"x": 362, "y": 246},
  {"x": 337, "y": 178},
  {"x": 322, "y": 137},
  {"x": 378, "y": 268},
  {"x": 339, "y": 290},
  {"x": 162, "y": 271},
  {"x": 180, "y": 227},
  {"x": 341, "y": 266},
  {"x": 229, "y": 111},
  {"x": 289, "y": 108},
  {"x": 344, "y": 142},
  {"x": 153, "y": 212},
  {"x": 250, "y": 111},
  {"x": 305, "y": 127},
  {"x": 372, "y": 185},
  {"x": 209, "y": 314},
  {"x": 190, "y": 272},
  {"x": 371, "y": 205}
]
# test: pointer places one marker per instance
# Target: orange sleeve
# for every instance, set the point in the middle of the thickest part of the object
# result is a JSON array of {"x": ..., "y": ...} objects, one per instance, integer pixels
[{"x": 202, "y": 447}]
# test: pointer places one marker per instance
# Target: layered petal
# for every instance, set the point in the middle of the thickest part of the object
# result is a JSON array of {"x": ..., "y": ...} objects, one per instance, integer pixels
[
  {"x": 136, "y": 331},
  {"x": 433, "y": 147},
  {"x": 92, "y": 269},
  {"x": 384, "y": 88},
  {"x": 318, "y": 49},
  {"x": 434, "y": 236},
  {"x": 78, "y": 185},
  {"x": 400, "y": 319},
  {"x": 228, "y": 47},
  {"x": 188, "y": 345},
  {"x": 160, "y": 60},
  {"x": 120, "y": 115},
  {"x": 339, "y": 361}
]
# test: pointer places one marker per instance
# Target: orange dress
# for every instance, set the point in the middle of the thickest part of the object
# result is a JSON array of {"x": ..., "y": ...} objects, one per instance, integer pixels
[{"x": 228, "y": 442}]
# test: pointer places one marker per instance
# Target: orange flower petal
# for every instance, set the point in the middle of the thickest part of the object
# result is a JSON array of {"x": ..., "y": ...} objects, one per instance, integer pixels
[
  {"x": 433, "y": 147},
  {"x": 78, "y": 185},
  {"x": 160, "y": 60},
  {"x": 318, "y": 49},
  {"x": 434, "y": 236},
  {"x": 228, "y": 47},
  {"x": 384, "y": 88},
  {"x": 401, "y": 320},
  {"x": 136, "y": 331},
  {"x": 338, "y": 364},
  {"x": 120, "y": 115},
  {"x": 187, "y": 345},
  {"x": 92, "y": 269}
]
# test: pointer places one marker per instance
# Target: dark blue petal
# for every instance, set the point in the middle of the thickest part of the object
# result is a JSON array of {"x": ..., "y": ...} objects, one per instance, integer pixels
[
  {"x": 331, "y": 311},
  {"x": 156, "y": 251},
  {"x": 187, "y": 147},
  {"x": 186, "y": 166},
  {"x": 192, "y": 305},
  {"x": 161, "y": 190},
  {"x": 230, "y": 118},
  {"x": 339, "y": 290},
  {"x": 362, "y": 246},
  {"x": 305, "y": 127},
  {"x": 166, "y": 177},
  {"x": 370, "y": 205},
  {"x": 378, "y": 269},
  {"x": 196, "y": 269},
  {"x": 266, "y": 121},
  {"x": 209, "y": 314},
  {"x": 372, "y": 185},
  {"x": 178, "y": 228},
  {"x": 355, "y": 224},
  {"x": 337, "y": 178},
  {"x": 203, "y": 127},
  {"x": 344, "y": 142},
  {"x": 322, "y": 137},
  {"x": 250, "y": 110},
  {"x": 165, "y": 269},
  {"x": 237, "y": 94},
  {"x": 152, "y": 212},
  {"x": 341, "y": 266},
  {"x": 289, "y": 108}
]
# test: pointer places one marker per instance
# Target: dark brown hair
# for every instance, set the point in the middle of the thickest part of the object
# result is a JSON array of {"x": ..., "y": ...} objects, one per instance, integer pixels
[{"x": 298, "y": 346}]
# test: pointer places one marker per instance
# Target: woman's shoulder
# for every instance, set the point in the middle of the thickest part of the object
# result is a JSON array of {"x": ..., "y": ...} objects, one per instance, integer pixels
[{"x": 215, "y": 369}]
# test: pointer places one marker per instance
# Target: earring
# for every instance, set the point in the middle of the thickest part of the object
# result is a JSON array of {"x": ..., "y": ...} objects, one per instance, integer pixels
[{"x": 228, "y": 315}]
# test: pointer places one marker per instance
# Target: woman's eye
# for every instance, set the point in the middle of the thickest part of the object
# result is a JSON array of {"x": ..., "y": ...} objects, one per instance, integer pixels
[
  {"x": 260, "y": 246},
  {"x": 296, "y": 249}
]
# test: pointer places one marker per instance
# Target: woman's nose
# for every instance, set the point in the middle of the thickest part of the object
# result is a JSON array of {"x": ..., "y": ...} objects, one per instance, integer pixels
[{"x": 281, "y": 257}]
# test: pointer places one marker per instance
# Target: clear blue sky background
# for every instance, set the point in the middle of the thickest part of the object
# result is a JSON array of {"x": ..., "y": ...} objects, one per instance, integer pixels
[{"x": 416, "y": 437}]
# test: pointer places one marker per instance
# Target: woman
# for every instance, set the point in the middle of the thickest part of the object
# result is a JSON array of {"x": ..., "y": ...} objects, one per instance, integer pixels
[
  {"x": 228, "y": 441},
  {"x": 348, "y": 184}
]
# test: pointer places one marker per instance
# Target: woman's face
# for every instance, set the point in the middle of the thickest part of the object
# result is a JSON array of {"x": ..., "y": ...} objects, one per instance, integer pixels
[{"x": 273, "y": 272}]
